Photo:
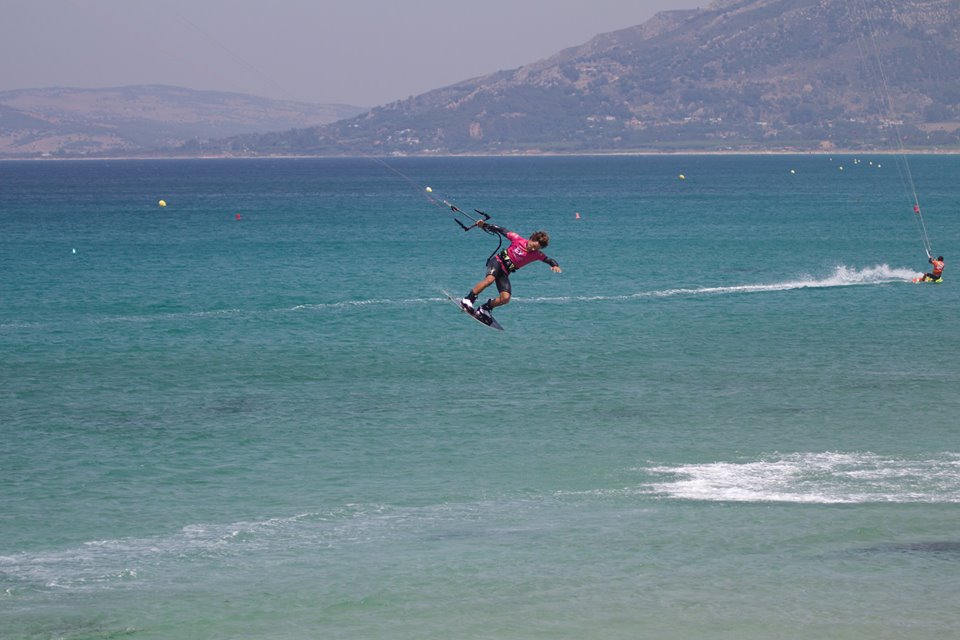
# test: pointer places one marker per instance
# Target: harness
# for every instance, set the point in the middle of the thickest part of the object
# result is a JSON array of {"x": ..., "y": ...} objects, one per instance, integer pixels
[{"x": 505, "y": 260}]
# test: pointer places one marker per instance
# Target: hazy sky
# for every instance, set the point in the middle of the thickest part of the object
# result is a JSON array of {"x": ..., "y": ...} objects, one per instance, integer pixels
[{"x": 360, "y": 52}]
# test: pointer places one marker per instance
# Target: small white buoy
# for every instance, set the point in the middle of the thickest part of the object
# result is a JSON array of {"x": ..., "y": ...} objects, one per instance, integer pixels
[
  {"x": 74, "y": 250},
  {"x": 429, "y": 190},
  {"x": 793, "y": 171},
  {"x": 682, "y": 177}
]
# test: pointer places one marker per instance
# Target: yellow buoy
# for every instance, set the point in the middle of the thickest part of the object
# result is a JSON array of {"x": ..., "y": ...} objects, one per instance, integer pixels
[
  {"x": 162, "y": 203},
  {"x": 682, "y": 177}
]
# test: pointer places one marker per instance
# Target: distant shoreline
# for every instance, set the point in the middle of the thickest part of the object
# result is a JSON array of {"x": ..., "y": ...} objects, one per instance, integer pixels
[{"x": 835, "y": 152}]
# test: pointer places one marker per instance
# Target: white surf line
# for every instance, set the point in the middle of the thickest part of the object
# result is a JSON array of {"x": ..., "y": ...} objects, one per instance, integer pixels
[{"x": 820, "y": 478}]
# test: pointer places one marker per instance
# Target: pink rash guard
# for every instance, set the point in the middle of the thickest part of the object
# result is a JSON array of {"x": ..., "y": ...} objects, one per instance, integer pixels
[{"x": 517, "y": 254}]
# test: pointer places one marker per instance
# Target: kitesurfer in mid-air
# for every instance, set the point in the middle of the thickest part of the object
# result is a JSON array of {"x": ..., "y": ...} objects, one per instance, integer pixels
[
  {"x": 937, "y": 271},
  {"x": 521, "y": 252}
]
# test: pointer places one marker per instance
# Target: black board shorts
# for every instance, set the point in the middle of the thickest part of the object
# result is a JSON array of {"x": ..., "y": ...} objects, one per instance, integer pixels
[{"x": 500, "y": 275}]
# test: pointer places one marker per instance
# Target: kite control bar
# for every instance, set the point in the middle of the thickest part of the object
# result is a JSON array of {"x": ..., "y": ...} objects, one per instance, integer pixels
[{"x": 476, "y": 221}]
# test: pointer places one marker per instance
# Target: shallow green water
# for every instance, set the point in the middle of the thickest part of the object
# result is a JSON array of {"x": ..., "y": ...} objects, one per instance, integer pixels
[{"x": 732, "y": 415}]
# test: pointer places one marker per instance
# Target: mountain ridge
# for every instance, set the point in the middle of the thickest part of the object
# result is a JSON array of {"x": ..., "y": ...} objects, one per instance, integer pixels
[
  {"x": 135, "y": 119},
  {"x": 737, "y": 75}
]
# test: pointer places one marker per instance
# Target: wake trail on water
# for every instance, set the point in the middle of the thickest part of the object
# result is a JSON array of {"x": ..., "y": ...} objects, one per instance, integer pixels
[{"x": 841, "y": 277}]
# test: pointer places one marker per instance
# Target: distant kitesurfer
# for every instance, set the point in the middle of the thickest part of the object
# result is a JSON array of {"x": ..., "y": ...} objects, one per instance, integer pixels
[
  {"x": 937, "y": 271},
  {"x": 521, "y": 252}
]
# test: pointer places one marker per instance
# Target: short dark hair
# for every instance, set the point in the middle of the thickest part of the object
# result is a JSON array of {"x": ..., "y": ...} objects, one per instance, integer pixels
[
  {"x": 540, "y": 237},
  {"x": 940, "y": 258}
]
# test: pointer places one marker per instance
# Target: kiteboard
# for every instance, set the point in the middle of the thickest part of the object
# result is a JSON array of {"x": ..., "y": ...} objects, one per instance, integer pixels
[
  {"x": 926, "y": 279},
  {"x": 490, "y": 322}
]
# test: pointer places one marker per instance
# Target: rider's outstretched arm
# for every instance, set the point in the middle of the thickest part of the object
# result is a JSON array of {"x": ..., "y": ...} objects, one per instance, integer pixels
[{"x": 487, "y": 226}]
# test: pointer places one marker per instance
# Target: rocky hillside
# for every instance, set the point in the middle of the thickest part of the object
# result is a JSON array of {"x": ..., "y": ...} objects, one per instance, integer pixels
[
  {"x": 739, "y": 74},
  {"x": 132, "y": 120}
]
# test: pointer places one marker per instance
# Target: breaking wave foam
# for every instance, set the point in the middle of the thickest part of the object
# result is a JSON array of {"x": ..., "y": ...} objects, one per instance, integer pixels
[
  {"x": 824, "y": 478},
  {"x": 125, "y": 563}
]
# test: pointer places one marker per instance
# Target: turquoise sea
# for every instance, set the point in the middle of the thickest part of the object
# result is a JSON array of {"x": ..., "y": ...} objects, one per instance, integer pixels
[{"x": 731, "y": 416}]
